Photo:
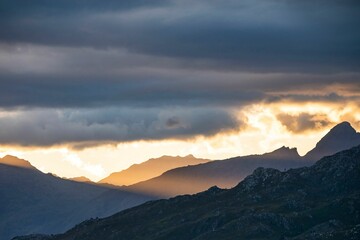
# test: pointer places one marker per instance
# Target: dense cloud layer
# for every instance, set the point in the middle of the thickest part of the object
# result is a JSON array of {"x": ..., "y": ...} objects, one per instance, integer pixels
[
  {"x": 253, "y": 35},
  {"x": 52, "y": 127},
  {"x": 34, "y": 76},
  {"x": 140, "y": 55}
]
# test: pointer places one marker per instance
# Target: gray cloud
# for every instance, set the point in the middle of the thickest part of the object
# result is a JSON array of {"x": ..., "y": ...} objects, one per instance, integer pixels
[
  {"x": 303, "y": 122},
  {"x": 38, "y": 76},
  {"x": 152, "y": 53},
  {"x": 85, "y": 127},
  {"x": 93, "y": 91},
  {"x": 253, "y": 35}
]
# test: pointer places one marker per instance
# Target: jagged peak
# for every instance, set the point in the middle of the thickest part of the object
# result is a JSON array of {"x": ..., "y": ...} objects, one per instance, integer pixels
[
  {"x": 285, "y": 148},
  {"x": 284, "y": 152}
]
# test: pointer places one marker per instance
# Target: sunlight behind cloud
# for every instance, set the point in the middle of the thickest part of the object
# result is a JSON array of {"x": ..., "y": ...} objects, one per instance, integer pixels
[{"x": 264, "y": 128}]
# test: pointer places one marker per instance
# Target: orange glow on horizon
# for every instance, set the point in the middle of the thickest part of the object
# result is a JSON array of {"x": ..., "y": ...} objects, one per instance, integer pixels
[{"x": 263, "y": 132}]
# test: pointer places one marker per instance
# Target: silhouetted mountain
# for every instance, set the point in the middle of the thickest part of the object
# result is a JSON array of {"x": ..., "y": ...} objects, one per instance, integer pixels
[
  {"x": 223, "y": 173},
  {"x": 80, "y": 179},
  {"x": 319, "y": 202},
  {"x": 33, "y": 202},
  {"x": 343, "y": 136},
  {"x": 227, "y": 173},
  {"x": 150, "y": 169}
]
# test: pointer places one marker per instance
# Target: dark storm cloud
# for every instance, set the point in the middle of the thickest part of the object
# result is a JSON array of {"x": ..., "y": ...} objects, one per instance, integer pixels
[
  {"x": 38, "y": 76},
  {"x": 172, "y": 90},
  {"x": 303, "y": 121},
  {"x": 252, "y": 35},
  {"x": 132, "y": 70},
  {"x": 38, "y": 91},
  {"x": 52, "y": 127}
]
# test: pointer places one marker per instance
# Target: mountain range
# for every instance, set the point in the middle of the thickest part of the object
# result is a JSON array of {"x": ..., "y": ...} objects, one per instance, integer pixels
[
  {"x": 32, "y": 201},
  {"x": 223, "y": 173},
  {"x": 318, "y": 202},
  {"x": 227, "y": 173}
]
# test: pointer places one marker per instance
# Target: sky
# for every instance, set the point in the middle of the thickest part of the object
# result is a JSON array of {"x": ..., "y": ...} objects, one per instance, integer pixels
[{"x": 91, "y": 87}]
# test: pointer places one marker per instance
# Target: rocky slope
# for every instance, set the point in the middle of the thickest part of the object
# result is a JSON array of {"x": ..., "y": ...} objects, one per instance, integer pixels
[{"x": 317, "y": 202}]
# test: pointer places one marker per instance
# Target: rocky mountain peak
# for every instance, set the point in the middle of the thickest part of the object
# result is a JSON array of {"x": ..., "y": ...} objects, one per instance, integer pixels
[
  {"x": 341, "y": 137},
  {"x": 343, "y": 128}
]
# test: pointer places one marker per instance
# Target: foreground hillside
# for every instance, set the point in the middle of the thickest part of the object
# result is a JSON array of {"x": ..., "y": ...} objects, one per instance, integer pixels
[
  {"x": 318, "y": 202},
  {"x": 33, "y": 202}
]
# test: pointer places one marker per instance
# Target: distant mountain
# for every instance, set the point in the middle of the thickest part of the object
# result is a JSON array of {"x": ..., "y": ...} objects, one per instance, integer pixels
[
  {"x": 16, "y": 162},
  {"x": 80, "y": 179},
  {"x": 33, "y": 202},
  {"x": 223, "y": 173},
  {"x": 150, "y": 169},
  {"x": 227, "y": 173},
  {"x": 319, "y": 202},
  {"x": 343, "y": 136}
]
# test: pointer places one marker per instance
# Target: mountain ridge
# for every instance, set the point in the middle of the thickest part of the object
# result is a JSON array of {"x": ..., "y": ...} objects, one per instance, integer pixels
[
  {"x": 318, "y": 202},
  {"x": 192, "y": 179},
  {"x": 150, "y": 169},
  {"x": 224, "y": 173},
  {"x": 227, "y": 173}
]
